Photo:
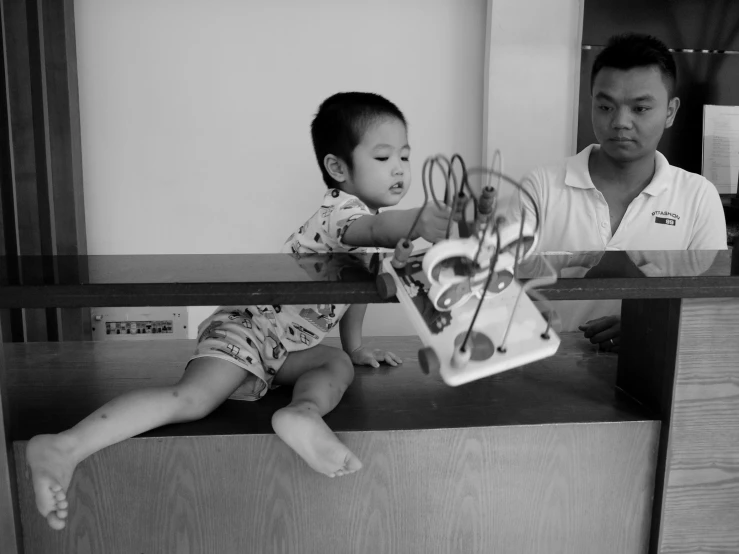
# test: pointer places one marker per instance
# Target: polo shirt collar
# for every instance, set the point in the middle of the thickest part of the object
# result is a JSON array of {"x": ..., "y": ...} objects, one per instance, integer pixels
[
  {"x": 578, "y": 175},
  {"x": 662, "y": 176}
]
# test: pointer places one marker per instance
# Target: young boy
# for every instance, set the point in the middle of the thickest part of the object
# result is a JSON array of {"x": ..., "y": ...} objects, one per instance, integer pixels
[{"x": 361, "y": 144}]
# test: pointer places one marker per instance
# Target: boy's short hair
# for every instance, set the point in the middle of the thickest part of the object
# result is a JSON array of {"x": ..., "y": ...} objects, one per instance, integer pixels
[
  {"x": 631, "y": 50},
  {"x": 342, "y": 120}
]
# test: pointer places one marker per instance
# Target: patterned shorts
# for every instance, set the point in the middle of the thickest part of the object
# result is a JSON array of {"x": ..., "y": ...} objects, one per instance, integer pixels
[{"x": 245, "y": 337}]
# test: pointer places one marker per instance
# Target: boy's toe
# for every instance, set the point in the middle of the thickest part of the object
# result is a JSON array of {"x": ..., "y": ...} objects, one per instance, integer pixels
[{"x": 55, "y": 522}]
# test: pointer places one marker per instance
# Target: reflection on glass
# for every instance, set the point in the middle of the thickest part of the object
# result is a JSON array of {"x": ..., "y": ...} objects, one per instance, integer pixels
[
  {"x": 287, "y": 268},
  {"x": 571, "y": 314},
  {"x": 195, "y": 268},
  {"x": 634, "y": 264}
]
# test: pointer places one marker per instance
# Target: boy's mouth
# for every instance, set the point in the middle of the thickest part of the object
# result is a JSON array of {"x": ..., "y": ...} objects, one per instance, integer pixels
[{"x": 397, "y": 186}]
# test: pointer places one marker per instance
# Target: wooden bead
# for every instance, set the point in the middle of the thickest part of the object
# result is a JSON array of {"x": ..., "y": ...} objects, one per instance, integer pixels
[
  {"x": 402, "y": 252},
  {"x": 461, "y": 357}
]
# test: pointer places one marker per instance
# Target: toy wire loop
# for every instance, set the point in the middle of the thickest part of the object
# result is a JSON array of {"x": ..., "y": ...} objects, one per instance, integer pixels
[
  {"x": 462, "y": 199},
  {"x": 487, "y": 284},
  {"x": 497, "y": 172},
  {"x": 451, "y": 186},
  {"x": 485, "y": 171},
  {"x": 528, "y": 289},
  {"x": 454, "y": 188}
]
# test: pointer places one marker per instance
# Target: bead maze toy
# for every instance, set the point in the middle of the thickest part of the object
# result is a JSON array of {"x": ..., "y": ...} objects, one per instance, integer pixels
[{"x": 473, "y": 316}]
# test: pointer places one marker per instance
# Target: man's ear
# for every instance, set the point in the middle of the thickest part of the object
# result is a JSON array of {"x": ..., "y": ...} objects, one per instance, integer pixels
[
  {"x": 336, "y": 168},
  {"x": 672, "y": 108}
]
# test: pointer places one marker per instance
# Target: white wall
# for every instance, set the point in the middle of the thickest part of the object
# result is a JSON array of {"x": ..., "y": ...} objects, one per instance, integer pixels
[
  {"x": 533, "y": 73},
  {"x": 195, "y": 115}
]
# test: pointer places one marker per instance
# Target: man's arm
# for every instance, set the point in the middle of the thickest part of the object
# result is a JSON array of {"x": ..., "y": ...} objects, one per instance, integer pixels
[{"x": 709, "y": 231}]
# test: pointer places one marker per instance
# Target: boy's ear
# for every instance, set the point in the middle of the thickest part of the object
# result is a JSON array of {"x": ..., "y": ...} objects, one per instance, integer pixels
[{"x": 336, "y": 168}]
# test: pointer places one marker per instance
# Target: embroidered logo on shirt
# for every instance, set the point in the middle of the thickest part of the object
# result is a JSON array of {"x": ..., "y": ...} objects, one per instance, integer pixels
[{"x": 668, "y": 218}]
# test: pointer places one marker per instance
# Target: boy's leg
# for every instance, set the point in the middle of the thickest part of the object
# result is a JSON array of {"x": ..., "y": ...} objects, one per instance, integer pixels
[
  {"x": 206, "y": 383},
  {"x": 320, "y": 376}
]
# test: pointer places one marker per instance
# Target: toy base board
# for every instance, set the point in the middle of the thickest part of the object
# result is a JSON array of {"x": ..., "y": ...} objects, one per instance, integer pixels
[{"x": 442, "y": 331}]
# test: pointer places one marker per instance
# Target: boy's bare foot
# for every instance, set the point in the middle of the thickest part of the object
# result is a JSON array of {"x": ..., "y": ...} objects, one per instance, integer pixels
[
  {"x": 52, "y": 467},
  {"x": 304, "y": 430}
]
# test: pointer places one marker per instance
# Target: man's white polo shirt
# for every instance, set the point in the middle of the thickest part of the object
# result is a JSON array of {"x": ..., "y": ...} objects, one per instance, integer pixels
[{"x": 678, "y": 210}]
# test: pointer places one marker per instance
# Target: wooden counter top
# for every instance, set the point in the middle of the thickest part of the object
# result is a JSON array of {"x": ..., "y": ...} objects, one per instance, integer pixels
[
  {"x": 221, "y": 279},
  {"x": 54, "y": 385}
]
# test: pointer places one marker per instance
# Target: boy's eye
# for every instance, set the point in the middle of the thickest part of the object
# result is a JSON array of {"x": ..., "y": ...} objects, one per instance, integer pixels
[
  {"x": 382, "y": 159},
  {"x": 405, "y": 158}
]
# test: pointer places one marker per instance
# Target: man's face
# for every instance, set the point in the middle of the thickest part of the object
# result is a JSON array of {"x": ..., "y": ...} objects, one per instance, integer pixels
[{"x": 630, "y": 111}]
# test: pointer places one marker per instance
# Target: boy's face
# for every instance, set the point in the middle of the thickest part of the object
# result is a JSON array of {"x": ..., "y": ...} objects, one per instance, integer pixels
[
  {"x": 381, "y": 175},
  {"x": 630, "y": 111}
]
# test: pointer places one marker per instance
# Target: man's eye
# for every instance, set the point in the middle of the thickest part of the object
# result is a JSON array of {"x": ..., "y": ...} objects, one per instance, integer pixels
[
  {"x": 642, "y": 109},
  {"x": 604, "y": 108}
]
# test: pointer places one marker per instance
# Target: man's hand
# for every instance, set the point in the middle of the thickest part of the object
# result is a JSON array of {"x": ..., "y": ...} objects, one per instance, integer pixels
[
  {"x": 433, "y": 222},
  {"x": 373, "y": 357},
  {"x": 605, "y": 332}
]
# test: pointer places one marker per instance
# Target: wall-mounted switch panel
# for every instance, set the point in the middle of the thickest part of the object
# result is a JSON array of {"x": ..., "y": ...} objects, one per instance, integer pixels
[{"x": 152, "y": 323}]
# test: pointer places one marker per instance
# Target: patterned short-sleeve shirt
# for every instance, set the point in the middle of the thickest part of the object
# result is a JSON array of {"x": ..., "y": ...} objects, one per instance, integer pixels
[
  {"x": 324, "y": 231},
  {"x": 305, "y": 326}
]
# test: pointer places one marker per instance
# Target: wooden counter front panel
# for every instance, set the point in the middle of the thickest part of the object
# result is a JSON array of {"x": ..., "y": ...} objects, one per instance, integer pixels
[
  {"x": 701, "y": 500},
  {"x": 569, "y": 488}
]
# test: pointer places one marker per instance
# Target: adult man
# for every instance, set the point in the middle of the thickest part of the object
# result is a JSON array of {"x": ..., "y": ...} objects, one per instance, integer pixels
[{"x": 622, "y": 194}]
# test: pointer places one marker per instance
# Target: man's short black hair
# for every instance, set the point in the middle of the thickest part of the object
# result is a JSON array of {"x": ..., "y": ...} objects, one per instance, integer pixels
[
  {"x": 342, "y": 120},
  {"x": 632, "y": 50}
]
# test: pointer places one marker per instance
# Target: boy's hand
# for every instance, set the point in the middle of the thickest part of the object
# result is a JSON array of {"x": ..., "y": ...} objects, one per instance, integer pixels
[
  {"x": 604, "y": 331},
  {"x": 433, "y": 222},
  {"x": 373, "y": 357}
]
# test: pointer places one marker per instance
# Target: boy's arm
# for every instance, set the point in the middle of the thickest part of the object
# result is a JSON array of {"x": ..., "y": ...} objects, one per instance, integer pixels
[
  {"x": 350, "y": 329},
  {"x": 387, "y": 228}
]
